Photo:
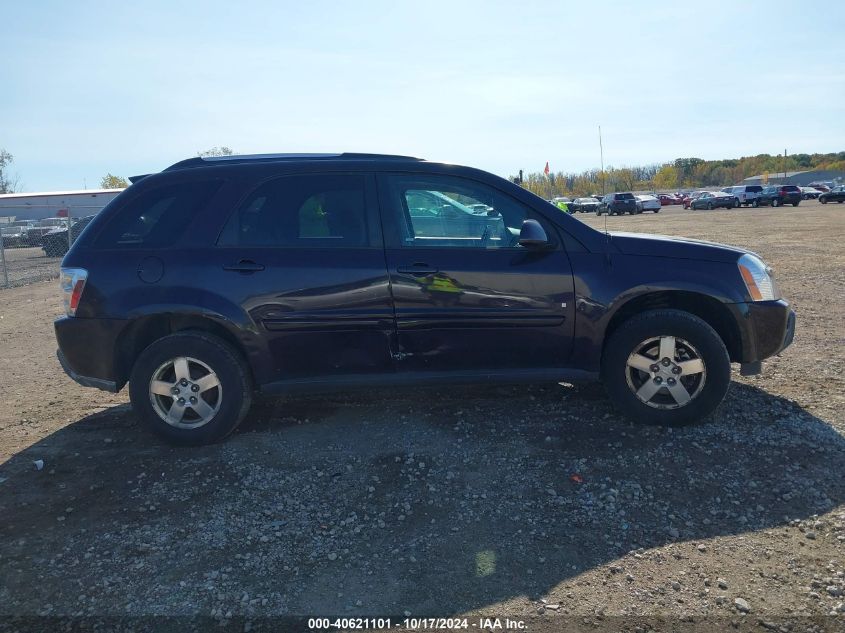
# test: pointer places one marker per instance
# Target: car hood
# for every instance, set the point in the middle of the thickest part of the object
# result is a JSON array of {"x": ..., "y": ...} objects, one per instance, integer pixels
[{"x": 677, "y": 247}]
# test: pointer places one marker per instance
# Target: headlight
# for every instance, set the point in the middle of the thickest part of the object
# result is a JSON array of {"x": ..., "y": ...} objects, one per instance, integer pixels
[{"x": 758, "y": 278}]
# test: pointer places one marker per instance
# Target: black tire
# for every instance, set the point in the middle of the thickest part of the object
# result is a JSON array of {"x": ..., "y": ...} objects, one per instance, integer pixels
[
  {"x": 756, "y": 203},
  {"x": 657, "y": 210},
  {"x": 656, "y": 323},
  {"x": 234, "y": 377},
  {"x": 794, "y": 204},
  {"x": 709, "y": 206},
  {"x": 775, "y": 202},
  {"x": 736, "y": 204},
  {"x": 823, "y": 201}
]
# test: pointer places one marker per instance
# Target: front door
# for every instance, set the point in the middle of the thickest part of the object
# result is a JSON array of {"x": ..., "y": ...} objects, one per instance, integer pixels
[{"x": 467, "y": 296}]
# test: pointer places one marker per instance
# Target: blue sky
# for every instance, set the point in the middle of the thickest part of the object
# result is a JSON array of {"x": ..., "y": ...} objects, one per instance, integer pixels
[{"x": 88, "y": 88}]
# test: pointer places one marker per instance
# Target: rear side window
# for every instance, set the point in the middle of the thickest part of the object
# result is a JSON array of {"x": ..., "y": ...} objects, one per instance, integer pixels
[
  {"x": 158, "y": 217},
  {"x": 326, "y": 210},
  {"x": 754, "y": 188}
]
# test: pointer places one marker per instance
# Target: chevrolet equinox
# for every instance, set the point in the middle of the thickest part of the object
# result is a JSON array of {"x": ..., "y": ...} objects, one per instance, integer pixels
[{"x": 222, "y": 277}]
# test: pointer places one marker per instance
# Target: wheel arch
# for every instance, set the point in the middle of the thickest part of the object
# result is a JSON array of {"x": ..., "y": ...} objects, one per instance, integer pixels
[
  {"x": 707, "y": 308},
  {"x": 145, "y": 330}
]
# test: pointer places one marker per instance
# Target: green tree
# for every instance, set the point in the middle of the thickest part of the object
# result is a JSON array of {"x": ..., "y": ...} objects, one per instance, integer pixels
[
  {"x": 7, "y": 183},
  {"x": 216, "y": 151},
  {"x": 110, "y": 181}
]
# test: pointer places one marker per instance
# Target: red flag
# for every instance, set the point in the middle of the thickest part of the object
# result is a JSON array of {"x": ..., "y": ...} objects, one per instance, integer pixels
[{"x": 546, "y": 170}]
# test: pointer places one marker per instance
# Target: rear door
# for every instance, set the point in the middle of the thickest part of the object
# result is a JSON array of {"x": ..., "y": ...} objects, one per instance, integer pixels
[
  {"x": 303, "y": 255},
  {"x": 467, "y": 296}
]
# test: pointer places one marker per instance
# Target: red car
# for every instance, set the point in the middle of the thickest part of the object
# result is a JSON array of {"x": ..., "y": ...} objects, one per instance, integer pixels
[
  {"x": 669, "y": 199},
  {"x": 690, "y": 197}
]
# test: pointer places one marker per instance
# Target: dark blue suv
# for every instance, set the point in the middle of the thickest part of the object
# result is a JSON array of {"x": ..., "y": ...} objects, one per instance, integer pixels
[{"x": 220, "y": 277}]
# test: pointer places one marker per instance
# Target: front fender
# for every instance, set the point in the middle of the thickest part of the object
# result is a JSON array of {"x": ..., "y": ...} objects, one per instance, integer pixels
[{"x": 608, "y": 286}]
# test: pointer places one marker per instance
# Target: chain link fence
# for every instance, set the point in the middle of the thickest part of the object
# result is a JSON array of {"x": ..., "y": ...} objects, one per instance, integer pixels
[{"x": 32, "y": 250}]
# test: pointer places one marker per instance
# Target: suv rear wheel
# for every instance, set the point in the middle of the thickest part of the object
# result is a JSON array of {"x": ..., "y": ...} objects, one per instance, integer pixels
[
  {"x": 775, "y": 202},
  {"x": 666, "y": 367},
  {"x": 191, "y": 388}
]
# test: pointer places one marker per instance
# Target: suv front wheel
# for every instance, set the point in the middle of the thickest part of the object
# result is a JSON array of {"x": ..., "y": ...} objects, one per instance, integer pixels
[
  {"x": 191, "y": 388},
  {"x": 666, "y": 367}
]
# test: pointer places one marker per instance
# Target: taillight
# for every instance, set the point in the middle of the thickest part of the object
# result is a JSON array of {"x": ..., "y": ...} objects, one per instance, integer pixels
[{"x": 72, "y": 283}]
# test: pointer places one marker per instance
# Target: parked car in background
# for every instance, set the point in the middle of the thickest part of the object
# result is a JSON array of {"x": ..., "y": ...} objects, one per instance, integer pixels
[
  {"x": 37, "y": 231},
  {"x": 810, "y": 193},
  {"x": 219, "y": 279},
  {"x": 13, "y": 236},
  {"x": 688, "y": 198},
  {"x": 745, "y": 194},
  {"x": 648, "y": 203},
  {"x": 713, "y": 200},
  {"x": 822, "y": 186},
  {"x": 618, "y": 204},
  {"x": 480, "y": 209},
  {"x": 16, "y": 233},
  {"x": 562, "y": 203},
  {"x": 584, "y": 205},
  {"x": 667, "y": 199},
  {"x": 837, "y": 194},
  {"x": 778, "y": 195},
  {"x": 55, "y": 243}
]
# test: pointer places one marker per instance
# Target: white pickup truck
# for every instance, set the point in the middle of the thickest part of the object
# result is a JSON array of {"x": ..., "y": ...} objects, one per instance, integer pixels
[{"x": 745, "y": 194}]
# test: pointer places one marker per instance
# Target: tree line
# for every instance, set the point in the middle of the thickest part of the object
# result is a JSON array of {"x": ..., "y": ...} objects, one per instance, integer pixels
[{"x": 682, "y": 173}]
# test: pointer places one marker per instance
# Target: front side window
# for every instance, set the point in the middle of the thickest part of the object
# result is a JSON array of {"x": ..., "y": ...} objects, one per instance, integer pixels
[
  {"x": 327, "y": 210},
  {"x": 444, "y": 211}
]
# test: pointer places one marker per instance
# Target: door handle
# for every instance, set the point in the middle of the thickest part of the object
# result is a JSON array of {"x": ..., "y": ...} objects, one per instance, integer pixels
[
  {"x": 417, "y": 269},
  {"x": 244, "y": 266}
]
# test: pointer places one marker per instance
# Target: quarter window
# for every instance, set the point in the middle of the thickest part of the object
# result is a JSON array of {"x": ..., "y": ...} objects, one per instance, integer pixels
[
  {"x": 301, "y": 211},
  {"x": 158, "y": 217}
]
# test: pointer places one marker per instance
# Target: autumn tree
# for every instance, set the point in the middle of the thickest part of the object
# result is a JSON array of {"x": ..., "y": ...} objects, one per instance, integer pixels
[
  {"x": 666, "y": 178},
  {"x": 110, "y": 181}
]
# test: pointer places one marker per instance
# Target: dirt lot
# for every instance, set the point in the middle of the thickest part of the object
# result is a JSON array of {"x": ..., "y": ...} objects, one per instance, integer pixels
[{"x": 536, "y": 503}]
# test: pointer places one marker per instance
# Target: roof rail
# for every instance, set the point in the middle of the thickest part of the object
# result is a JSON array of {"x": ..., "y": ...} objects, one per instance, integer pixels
[{"x": 207, "y": 161}]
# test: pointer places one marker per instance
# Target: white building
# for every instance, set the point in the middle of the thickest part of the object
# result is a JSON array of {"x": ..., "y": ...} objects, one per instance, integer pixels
[{"x": 52, "y": 204}]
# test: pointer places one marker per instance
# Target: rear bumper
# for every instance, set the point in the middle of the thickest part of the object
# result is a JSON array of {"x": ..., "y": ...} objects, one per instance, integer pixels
[
  {"x": 766, "y": 328},
  {"x": 86, "y": 381},
  {"x": 87, "y": 350}
]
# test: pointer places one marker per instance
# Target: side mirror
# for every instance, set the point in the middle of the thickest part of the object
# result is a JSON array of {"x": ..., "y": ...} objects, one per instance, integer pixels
[{"x": 532, "y": 234}]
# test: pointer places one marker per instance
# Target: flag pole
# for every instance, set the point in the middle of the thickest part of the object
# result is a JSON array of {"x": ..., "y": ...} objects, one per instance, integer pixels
[{"x": 601, "y": 157}]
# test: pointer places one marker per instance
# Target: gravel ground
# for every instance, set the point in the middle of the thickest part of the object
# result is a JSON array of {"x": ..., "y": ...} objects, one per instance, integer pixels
[{"x": 535, "y": 503}]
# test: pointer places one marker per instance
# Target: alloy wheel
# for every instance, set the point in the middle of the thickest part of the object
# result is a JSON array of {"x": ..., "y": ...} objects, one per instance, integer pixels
[
  {"x": 665, "y": 372},
  {"x": 185, "y": 392}
]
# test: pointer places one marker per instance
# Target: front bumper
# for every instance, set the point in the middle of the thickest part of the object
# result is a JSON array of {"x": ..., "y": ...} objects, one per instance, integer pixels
[{"x": 766, "y": 328}]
